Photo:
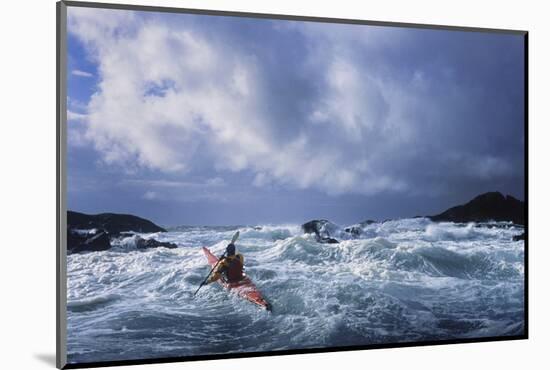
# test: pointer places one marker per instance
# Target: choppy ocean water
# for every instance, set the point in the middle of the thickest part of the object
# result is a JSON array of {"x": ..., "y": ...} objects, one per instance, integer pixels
[{"x": 399, "y": 281}]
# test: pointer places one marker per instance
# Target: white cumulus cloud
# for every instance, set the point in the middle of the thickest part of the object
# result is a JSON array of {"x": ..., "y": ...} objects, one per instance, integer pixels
[
  {"x": 79, "y": 73},
  {"x": 172, "y": 97}
]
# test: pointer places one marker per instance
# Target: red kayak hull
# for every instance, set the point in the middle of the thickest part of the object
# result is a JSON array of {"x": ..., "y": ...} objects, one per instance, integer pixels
[{"x": 244, "y": 288}]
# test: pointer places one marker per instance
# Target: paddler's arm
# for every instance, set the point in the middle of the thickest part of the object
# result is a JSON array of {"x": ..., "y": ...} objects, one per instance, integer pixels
[{"x": 217, "y": 273}]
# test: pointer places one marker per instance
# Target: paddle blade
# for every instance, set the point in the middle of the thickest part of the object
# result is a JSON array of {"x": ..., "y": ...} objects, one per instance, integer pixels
[{"x": 235, "y": 237}]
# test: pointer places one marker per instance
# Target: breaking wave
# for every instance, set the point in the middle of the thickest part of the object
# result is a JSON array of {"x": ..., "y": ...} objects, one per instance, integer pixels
[{"x": 397, "y": 281}]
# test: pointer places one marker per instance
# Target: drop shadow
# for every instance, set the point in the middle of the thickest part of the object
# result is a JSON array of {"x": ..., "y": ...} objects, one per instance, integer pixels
[{"x": 47, "y": 358}]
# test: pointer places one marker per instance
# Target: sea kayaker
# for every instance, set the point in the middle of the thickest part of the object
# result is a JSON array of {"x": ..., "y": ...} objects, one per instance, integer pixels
[{"x": 230, "y": 267}]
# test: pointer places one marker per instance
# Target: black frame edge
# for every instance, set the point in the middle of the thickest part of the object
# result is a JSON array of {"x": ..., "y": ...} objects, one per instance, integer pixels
[
  {"x": 227, "y": 13},
  {"x": 287, "y": 352},
  {"x": 526, "y": 186}
]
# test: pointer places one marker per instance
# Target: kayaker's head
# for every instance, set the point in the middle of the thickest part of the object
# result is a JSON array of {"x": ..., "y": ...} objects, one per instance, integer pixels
[{"x": 230, "y": 250}]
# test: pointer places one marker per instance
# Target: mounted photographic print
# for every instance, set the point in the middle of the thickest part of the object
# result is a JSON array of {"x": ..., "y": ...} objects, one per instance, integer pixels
[{"x": 235, "y": 184}]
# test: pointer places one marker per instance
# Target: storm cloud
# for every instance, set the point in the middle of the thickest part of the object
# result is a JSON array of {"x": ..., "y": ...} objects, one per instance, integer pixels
[{"x": 342, "y": 110}]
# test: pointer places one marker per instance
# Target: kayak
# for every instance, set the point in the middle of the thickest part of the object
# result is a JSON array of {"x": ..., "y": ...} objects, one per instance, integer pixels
[{"x": 244, "y": 288}]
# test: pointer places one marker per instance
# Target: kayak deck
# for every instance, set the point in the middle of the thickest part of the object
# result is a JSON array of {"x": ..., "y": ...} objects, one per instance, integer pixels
[{"x": 244, "y": 288}]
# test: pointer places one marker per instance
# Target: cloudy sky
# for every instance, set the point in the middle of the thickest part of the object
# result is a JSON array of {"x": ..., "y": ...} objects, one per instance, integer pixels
[{"x": 208, "y": 120}]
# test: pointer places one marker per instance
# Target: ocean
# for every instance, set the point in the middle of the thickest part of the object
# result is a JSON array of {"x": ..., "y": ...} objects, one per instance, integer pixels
[{"x": 407, "y": 280}]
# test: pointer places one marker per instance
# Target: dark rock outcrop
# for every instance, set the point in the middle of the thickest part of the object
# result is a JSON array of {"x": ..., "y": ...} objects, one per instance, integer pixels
[
  {"x": 152, "y": 243},
  {"x": 486, "y": 207},
  {"x": 313, "y": 226},
  {"x": 327, "y": 240},
  {"x": 112, "y": 223},
  {"x": 88, "y": 242},
  {"x": 354, "y": 230},
  {"x": 357, "y": 230},
  {"x": 519, "y": 237},
  {"x": 321, "y": 229},
  {"x": 92, "y": 233}
]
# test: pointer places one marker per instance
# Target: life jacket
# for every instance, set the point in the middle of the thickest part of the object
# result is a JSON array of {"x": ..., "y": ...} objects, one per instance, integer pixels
[{"x": 234, "y": 269}]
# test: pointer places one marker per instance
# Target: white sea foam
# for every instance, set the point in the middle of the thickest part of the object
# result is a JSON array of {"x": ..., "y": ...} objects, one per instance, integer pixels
[{"x": 401, "y": 280}]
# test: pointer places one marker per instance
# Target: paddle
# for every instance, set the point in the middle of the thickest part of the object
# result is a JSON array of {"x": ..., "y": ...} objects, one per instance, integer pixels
[{"x": 233, "y": 240}]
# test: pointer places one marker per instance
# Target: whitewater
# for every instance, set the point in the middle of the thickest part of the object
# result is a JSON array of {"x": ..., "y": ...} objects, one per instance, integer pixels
[{"x": 400, "y": 281}]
